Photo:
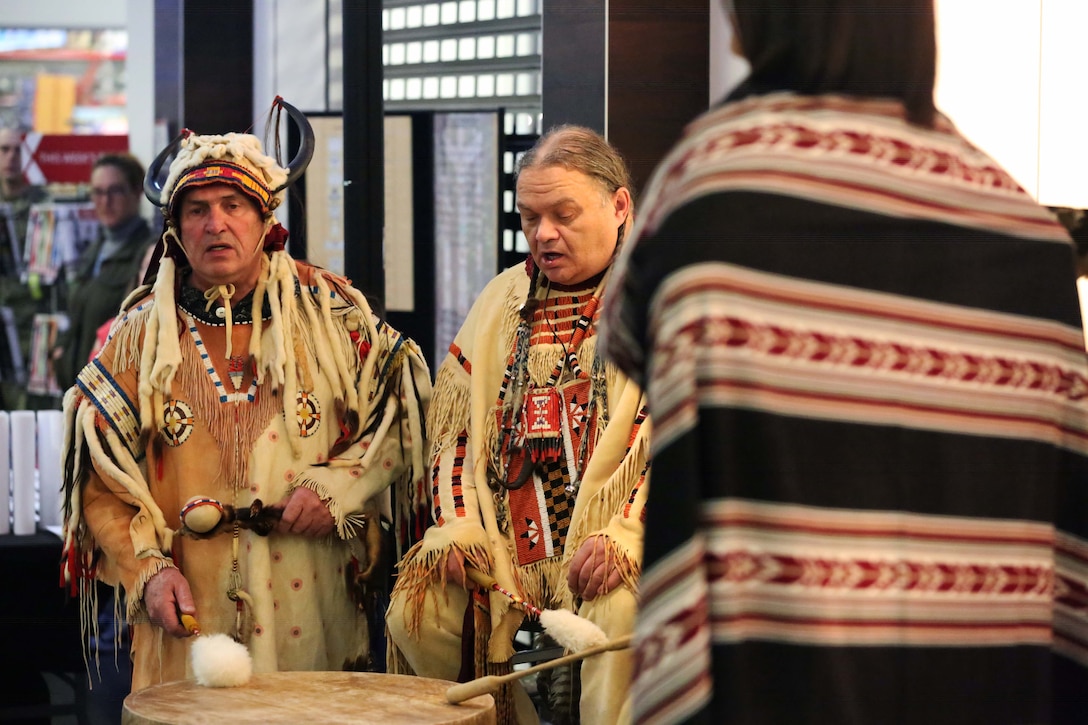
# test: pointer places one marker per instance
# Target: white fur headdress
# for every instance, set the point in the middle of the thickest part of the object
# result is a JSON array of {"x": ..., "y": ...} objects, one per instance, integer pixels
[{"x": 234, "y": 158}]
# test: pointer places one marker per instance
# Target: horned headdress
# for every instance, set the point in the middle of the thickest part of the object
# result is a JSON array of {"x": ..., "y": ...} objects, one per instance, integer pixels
[{"x": 191, "y": 161}]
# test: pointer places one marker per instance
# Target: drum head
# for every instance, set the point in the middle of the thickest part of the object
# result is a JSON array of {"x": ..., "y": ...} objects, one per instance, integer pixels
[{"x": 364, "y": 698}]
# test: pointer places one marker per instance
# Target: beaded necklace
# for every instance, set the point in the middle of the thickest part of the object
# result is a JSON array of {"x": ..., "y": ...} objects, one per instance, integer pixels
[{"x": 533, "y": 425}]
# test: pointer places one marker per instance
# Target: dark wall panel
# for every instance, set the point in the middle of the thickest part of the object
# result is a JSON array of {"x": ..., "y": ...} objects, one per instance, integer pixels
[
  {"x": 364, "y": 156},
  {"x": 169, "y": 29},
  {"x": 659, "y": 76},
  {"x": 573, "y": 63},
  {"x": 635, "y": 69},
  {"x": 218, "y": 65}
]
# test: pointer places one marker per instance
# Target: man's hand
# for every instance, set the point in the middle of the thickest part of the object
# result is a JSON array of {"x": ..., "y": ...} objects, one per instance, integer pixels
[
  {"x": 305, "y": 514},
  {"x": 589, "y": 576},
  {"x": 455, "y": 570},
  {"x": 167, "y": 595}
]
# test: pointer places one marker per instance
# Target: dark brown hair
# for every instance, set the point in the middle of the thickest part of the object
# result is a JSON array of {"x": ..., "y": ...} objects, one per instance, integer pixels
[
  {"x": 868, "y": 48},
  {"x": 129, "y": 166}
]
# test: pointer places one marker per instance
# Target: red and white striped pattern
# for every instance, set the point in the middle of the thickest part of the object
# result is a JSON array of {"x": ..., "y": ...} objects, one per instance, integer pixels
[
  {"x": 799, "y": 146},
  {"x": 737, "y": 337}
]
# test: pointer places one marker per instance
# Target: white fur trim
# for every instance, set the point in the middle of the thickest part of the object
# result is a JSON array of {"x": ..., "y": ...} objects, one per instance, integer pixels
[{"x": 242, "y": 149}]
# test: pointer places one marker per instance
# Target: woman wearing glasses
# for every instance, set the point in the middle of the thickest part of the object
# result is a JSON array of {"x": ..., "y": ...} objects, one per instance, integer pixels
[{"x": 111, "y": 266}]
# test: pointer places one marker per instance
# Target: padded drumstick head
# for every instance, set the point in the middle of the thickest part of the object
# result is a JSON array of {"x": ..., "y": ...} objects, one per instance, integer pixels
[
  {"x": 201, "y": 514},
  {"x": 574, "y": 633},
  {"x": 219, "y": 661}
]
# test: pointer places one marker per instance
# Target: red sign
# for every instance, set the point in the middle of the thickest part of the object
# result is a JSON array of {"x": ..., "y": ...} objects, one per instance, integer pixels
[{"x": 51, "y": 159}]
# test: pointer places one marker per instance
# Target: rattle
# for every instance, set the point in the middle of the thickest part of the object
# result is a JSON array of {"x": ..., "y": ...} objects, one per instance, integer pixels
[{"x": 204, "y": 516}]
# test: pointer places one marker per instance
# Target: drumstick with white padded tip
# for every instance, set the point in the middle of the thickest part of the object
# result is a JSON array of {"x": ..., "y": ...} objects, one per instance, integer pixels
[
  {"x": 572, "y": 632},
  {"x": 484, "y": 685},
  {"x": 216, "y": 659}
]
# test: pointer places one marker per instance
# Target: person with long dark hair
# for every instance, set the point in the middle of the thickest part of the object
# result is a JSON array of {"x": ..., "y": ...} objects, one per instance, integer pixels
[{"x": 863, "y": 354}]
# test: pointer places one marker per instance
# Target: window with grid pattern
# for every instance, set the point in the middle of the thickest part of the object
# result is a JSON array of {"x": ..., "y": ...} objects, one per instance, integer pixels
[{"x": 455, "y": 55}]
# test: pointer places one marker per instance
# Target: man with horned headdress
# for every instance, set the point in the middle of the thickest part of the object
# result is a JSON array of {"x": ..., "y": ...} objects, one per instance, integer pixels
[{"x": 237, "y": 434}]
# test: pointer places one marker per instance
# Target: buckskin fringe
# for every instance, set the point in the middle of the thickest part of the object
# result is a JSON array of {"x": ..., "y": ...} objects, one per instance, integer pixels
[
  {"x": 451, "y": 405},
  {"x": 422, "y": 572},
  {"x": 335, "y": 352},
  {"x": 234, "y": 427},
  {"x": 128, "y": 338},
  {"x": 605, "y": 503},
  {"x": 130, "y": 476},
  {"x": 611, "y": 497},
  {"x": 75, "y": 464},
  {"x": 261, "y": 351},
  {"x": 544, "y": 583},
  {"x": 543, "y": 357},
  {"x": 511, "y": 307},
  {"x": 348, "y": 525},
  {"x": 161, "y": 352},
  {"x": 284, "y": 364}
]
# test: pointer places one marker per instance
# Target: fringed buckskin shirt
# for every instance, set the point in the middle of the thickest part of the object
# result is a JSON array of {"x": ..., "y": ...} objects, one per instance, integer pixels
[
  {"x": 524, "y": 536},
  {"x": 318, "y": 393}
]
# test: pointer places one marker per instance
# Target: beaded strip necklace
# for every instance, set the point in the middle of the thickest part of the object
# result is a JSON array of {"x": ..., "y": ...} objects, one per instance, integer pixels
[
  {"x": 235, "y": 370},
  {"x": 209, "y": 368}
]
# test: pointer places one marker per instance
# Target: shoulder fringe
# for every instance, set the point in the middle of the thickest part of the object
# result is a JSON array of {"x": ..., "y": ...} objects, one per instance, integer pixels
[
  {"x": 332, "y": 361},
  {"x": 327, "y": 360},
  {"x": 133, "y": 297},
  {"x": 422, "y": 573},
  {"x": 354, "y": 374},
  {"x": 369, "y": 324},
  {"x": 511, "y": 307},
  {"x": 263, "y": 347},
  {"x": 161, "y": 351},
  {"x": 281, "y": 300},
  {"x": 127, "y": 335},
  {"x": 275, "y": 350}
]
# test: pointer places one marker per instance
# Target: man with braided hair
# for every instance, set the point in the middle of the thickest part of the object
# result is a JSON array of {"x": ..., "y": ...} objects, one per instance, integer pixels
[
  {"x": 241, "y": 386},
  {"x": 539, "y": 446}
]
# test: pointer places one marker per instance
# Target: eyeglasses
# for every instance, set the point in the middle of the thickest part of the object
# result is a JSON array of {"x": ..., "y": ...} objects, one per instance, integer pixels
[{"x": 110, "y": 191}]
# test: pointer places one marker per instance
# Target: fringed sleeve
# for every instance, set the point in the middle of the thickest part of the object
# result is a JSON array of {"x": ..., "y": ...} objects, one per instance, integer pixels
[
  {"x": 454, "y": 507},
  {"x": 113, "y": 530},
  {"x": 612, "y": 499},
  {"x": 456, "y": 446},
  {"x": 383, "y": 439}
]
